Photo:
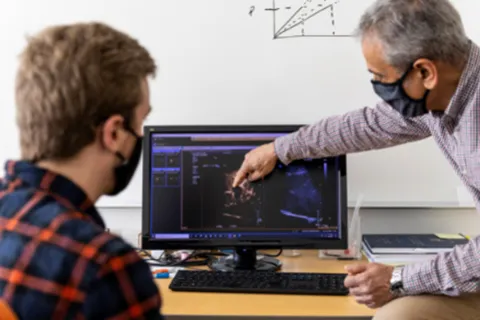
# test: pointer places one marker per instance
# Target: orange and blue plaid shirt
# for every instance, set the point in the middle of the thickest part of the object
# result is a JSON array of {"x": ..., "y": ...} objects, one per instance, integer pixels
[{"x": 57, "y": 261}]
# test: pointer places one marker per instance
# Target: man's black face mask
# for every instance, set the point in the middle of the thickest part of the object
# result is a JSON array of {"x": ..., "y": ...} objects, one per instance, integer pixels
[
  {"x": 394, "y": 94},
  {"x": 123, "y": 174}
]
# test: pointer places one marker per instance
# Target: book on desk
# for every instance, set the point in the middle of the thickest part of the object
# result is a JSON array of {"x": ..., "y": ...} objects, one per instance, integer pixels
[{"x": 408, "y": 248}]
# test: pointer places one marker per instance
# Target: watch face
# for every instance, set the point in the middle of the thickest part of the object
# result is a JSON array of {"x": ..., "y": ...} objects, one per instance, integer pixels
[{"x": 396, "y": 276}]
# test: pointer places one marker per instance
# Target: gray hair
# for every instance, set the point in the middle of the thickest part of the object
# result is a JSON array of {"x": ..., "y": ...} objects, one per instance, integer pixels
[{"x": 413, "y": 29}]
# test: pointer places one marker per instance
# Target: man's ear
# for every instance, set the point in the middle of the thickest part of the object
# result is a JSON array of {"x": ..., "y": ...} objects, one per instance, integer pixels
[
  {"x": 428, "y": 73},
  {"x": 112, "y": 135}
]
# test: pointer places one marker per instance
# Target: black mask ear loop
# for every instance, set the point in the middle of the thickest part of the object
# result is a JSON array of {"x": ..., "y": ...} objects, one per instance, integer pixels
[
  {"x": 131, "y": 131},
  {"x": 120, "y": 156},
  {"x": 402, "y": 79},
  {"x": 399, "y": 81}
]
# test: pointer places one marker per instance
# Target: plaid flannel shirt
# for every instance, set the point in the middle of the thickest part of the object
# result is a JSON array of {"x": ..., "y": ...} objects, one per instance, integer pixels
[
  {"x": 456, "y": 131},
  {"x": 57, "y": 261}
]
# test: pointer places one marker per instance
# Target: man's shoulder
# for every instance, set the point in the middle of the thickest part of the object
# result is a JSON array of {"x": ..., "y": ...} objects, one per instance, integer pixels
[
  {"x": 47, "y": 242},
  {"x": 62, "y": 232},
  {"x": 59, "y": 226}
]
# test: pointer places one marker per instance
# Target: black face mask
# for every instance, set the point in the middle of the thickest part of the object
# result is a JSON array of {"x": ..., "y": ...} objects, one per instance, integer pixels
[
  {"x": 123, "y": 174},
  {"x": 395, "y": 96}
]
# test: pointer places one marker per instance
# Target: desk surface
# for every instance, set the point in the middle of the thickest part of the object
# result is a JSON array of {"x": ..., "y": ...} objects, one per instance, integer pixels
[{"x": 188, "y": 305}]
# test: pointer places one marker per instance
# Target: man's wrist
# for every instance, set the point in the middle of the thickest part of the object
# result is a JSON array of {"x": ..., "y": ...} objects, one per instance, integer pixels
[{"x": 273, "y": 150}]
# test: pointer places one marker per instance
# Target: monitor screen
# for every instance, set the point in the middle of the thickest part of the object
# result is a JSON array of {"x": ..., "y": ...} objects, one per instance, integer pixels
[{"x": 189, "y": 200}]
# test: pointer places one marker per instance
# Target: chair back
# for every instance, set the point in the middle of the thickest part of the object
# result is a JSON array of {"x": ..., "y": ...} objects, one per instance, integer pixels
[{"x": 6, "y": 313}]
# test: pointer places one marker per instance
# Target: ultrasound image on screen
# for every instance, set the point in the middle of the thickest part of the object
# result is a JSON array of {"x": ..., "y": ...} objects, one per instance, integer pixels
[
  {"x": 292, "y": 197},
  {"x": 235, "y": 198}
]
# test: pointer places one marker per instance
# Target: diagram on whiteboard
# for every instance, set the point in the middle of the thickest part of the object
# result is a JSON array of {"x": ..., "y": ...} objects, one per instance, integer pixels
[{"x": 309, "y": 18}]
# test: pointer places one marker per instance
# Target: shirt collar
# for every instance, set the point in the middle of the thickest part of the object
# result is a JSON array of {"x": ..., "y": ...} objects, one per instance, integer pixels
[
  {"x": 466, "y": 85},
  {"x": 62, "y": 189}
]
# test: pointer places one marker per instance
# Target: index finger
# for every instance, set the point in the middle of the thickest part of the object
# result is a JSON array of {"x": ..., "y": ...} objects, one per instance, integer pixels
[
  {"x": 356, "y": 268},
  {"x": 352, "y": 281},
  {"x": 241, "y": 174}
]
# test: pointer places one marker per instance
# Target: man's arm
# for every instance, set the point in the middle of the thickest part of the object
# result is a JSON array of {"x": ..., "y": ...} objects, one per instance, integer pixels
[
  {"x": 124, "y": 289},
  {"x": 358, "y": 130},
  {"x": 452, "y": 273}
]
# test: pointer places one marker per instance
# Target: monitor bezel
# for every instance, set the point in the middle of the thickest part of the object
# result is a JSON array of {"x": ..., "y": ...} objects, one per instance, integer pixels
[{"x": 148, "y": 243}]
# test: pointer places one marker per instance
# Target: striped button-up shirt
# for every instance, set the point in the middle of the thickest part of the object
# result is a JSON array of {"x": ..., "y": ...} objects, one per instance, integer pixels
[
  {"x": 456, "y": 131},
  {"x": 57, "y": 261}
]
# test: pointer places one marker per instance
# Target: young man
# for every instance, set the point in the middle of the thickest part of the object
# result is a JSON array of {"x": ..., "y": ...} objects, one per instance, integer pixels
[{"x": 81, "y": 97}]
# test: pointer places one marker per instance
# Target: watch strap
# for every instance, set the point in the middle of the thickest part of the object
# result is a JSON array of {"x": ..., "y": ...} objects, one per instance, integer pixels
[{"x": 396, "y": 282}]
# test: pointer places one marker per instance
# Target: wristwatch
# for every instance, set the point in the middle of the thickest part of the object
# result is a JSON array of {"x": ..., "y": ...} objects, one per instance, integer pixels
[{"x": 396, "y": 283}]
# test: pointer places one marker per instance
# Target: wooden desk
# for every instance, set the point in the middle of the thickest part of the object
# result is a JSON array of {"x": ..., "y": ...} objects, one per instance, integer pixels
[{"x": 218, "y": 306}]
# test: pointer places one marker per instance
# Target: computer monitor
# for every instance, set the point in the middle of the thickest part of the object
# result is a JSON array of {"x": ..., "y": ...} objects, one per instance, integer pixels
[{"x": 189, "y": 201}]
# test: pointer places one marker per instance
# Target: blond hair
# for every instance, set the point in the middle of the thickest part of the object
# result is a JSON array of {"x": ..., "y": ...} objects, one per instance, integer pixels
[{"x": 71, "y": 78}]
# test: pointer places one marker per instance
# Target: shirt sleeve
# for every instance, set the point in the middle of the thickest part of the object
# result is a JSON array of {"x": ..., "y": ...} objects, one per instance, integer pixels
[
  {"x": 359, "y": 130},
  {"x": 451, "y": 273},
  {"x": 125, "y": 289}
]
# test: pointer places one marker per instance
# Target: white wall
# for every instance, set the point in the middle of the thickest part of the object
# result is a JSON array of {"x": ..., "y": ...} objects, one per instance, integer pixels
[
  {"x": 219, "y": 65},
  {"x": 128, "y": 221}
]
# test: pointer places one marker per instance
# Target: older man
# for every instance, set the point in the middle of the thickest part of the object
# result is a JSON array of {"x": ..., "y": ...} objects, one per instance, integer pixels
[{"x": 426, "y": 72}]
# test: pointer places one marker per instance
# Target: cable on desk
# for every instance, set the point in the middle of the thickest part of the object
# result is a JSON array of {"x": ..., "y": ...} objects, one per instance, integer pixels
[
  {"x": 273, "y": 255},
  {"x": 196, "y": 258},
  {"x": 167, "y": 259}
]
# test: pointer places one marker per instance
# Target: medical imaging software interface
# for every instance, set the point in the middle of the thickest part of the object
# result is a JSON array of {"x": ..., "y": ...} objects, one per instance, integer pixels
[{"x": 192, "y": 195}]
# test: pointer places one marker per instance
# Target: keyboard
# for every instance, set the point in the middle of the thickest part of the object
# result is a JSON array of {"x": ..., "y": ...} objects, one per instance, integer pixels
[{"x": 259, "y": 282}]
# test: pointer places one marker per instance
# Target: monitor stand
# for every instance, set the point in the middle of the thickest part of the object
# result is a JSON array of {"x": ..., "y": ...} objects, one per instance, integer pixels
[{"x": 246, "y": 259}]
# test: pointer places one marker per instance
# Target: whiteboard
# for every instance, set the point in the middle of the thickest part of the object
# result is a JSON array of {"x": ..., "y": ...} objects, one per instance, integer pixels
[{"x": 247, "y": 62}]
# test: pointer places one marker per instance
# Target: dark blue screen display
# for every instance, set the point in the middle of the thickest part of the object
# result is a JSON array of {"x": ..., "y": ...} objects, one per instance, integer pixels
[{"x": 192, "y": 197}]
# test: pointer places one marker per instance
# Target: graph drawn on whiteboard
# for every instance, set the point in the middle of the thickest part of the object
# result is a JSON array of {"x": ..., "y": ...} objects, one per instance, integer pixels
[{"x": 308, "y": 18}]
